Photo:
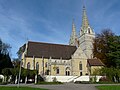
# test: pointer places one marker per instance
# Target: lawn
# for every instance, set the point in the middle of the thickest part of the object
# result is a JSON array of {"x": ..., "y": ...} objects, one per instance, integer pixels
[
  {"x": 21, "y": 88},
  {"x": 107, "y": 87}
]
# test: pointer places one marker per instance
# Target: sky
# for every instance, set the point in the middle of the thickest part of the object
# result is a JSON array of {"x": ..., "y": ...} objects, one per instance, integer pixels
[{"x": 51, "y": 20}]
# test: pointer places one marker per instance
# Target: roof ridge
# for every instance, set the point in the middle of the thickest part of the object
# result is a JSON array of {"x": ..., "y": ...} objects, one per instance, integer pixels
[
  {"x": 50, "y": 43},
  {"x": 47, "y": 50},
  {"x": 95, "y": 61}
]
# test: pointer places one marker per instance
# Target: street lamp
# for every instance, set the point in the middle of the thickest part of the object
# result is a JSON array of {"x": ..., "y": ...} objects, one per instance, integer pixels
[{"x": 19, "y": 74}]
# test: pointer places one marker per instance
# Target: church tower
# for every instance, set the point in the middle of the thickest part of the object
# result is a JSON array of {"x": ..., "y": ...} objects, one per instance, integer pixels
[
  {"x": 73, "y": 38},
  {"x": 86, "y": 36}
]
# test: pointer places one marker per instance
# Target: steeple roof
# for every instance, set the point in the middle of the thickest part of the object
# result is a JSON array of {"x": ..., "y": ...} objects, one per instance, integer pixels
[
  {"x": 73, "y": 29},
  {"x": 73, "y": 36},
  {"x": 85, "y": 22},
  {"x": 85, "y": 27}
]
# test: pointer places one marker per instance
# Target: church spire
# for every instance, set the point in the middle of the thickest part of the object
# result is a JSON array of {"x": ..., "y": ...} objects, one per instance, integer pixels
[
  {"x": 86, "y": 36},
  {"x": 73, "y": 36},
  {"x": 85, "y": 23},
  {"x": 85, "y": 28}
]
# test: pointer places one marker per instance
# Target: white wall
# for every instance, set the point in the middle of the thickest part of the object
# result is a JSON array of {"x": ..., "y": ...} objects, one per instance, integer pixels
[
  {"x": 1, "y": 77},
  {"x": 60, "y": 78},
  {"x": 70, "y": 78},
  {"x": 87, "y": 78}
]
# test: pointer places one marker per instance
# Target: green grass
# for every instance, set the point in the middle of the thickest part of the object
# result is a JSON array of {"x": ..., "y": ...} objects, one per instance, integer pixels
[
  {"x": 101, "y": 82},
  {"x": 20, "y": 88},
  {"x": 108, "y": 87}
]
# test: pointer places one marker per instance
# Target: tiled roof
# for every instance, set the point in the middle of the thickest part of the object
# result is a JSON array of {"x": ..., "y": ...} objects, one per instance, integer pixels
[
  {"x": 95, "y": 62},
  {"x": 47, "y": 50}
]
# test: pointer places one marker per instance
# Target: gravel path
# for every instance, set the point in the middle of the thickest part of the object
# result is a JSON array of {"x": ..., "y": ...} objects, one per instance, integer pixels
[{"x": 66, "y": 86}]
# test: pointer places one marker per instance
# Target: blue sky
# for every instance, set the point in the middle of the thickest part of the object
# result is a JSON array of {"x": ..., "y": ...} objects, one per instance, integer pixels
[{"x": 51, "y": 20}]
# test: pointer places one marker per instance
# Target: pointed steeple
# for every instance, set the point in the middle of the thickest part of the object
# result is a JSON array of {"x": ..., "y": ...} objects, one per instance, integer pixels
[
  {"x": 86, "y": 36},
  {"x": 85, "y": 28},
  {"x": 73, "y": 36},
  {"x": 85, "y": 23}
]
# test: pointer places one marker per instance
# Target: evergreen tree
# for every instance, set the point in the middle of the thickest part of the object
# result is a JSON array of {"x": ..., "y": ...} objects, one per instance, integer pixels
[
  {"x": 5, "y": 60},
  {"x": 107, "y": 48},
  {"x": 114, "y": 51}
]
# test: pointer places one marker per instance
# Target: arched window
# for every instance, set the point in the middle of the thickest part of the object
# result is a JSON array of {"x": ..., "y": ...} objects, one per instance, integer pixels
[
  {"x": 57, "y": 70},
  {"x": 47, "y": 72},
  {"x": 89, "y": 30},
  {"x": 37, "y": 66},
  {"x": 80, "y": 68},
  {"x": 28, "y": 65},
  {"x": 67, "y": 71},
  {"x": 46, "y": 64},
  {"x": 80, "y": 73},
  {"x": 80, "y": 65}
]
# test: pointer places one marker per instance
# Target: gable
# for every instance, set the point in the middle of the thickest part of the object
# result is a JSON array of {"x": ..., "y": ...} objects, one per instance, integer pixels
[{"x": 79, "y": 53}]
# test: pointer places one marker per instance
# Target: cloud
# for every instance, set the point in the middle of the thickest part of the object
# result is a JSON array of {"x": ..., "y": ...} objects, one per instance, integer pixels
[
  {"x": 51, "y": 21},
  {"x": 51, "y": 29},
  {"x": 104, "y": 14},
  {"x": 16, "y": 29}
]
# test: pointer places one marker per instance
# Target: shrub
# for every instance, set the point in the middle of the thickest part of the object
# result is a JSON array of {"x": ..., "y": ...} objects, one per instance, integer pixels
[
  {"x": 0, "y": 80},
  {"x": 40, "y": 79},
  {"x": 54, "y": 79},
  {"x": 104, "y": 79},
  {"x": 3, "y": 83}
]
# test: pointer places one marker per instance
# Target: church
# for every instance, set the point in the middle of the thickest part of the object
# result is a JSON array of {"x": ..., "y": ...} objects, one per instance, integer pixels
[{"x": 75, "y": 59}]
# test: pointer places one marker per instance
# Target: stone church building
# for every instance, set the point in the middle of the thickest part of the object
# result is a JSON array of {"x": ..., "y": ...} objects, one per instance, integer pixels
[{"x": 75, "y": 59}]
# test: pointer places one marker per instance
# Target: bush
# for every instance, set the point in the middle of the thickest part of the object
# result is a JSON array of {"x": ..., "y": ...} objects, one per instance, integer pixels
[
  {"x": 104, "y": 79},
  {"x": 3, "y": 83},
  {"x": 93, "y": 79},
  {"x": 54, "y": 79},
  {"x": 40, "y": 79},
  {"x": 0, "y": 80},
  {"x": 106, "y": 82}
]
